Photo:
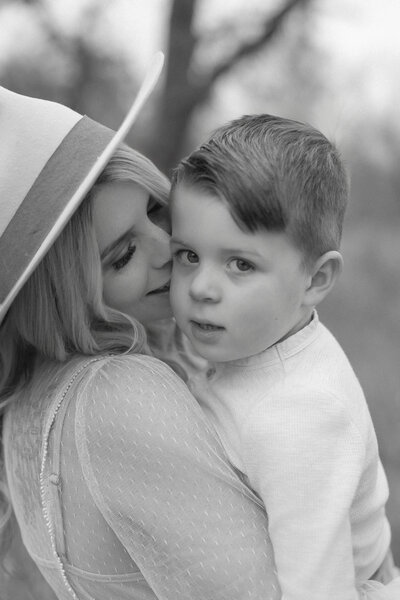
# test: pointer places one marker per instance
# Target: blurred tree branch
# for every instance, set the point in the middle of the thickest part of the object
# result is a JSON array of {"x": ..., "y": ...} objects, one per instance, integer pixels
[
  {"x": 184, "y": 93},
  {"x": 90, "y": 77},
  {"x": 72, "y": 66},
  {"x": 271, "y": 27}
]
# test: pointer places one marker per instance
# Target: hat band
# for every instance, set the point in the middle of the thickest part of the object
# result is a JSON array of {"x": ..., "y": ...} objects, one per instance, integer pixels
[{"x": 47, "y": 198}]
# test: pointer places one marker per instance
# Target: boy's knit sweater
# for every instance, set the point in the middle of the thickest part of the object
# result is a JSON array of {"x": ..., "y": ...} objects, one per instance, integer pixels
[{"x": 294, "y": 420}]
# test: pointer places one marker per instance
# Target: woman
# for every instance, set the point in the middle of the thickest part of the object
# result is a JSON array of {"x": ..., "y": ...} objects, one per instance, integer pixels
[{"x": 118, "y": 484}]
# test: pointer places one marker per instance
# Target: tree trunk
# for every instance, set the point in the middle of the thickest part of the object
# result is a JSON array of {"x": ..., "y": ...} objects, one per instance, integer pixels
[
  {"x": 183, "y": 95},
  {"x": 177, "y": 101}
]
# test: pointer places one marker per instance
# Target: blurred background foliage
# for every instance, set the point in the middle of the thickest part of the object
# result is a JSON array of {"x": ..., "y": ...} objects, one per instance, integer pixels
[{"x": 333, "y": 64}]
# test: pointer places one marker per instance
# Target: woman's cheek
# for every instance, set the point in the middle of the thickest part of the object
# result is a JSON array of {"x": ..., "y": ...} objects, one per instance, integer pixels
[
  {"x": 111, "y": 296},
  {"x": 118, "y": 290}
]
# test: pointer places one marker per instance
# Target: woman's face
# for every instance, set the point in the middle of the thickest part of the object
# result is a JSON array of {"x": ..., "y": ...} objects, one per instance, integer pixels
[{"x": 132, "y": 232}]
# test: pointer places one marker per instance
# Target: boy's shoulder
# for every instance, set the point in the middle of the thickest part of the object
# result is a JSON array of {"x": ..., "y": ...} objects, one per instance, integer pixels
[
  {"x": 305, "y": 409},
  {"x": 324, "y": 355},
  {"x": 317, "y": 383}
]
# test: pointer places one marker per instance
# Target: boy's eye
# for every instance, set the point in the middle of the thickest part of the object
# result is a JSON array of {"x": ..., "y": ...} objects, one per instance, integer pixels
[
  {"x": 241, "y": 265},
  {"x": 121, "y": 262},
  {"x": 187, "y": 257}
]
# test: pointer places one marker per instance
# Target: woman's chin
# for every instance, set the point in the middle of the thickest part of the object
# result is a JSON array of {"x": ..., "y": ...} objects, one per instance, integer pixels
[{"x": 158, "y": 312}]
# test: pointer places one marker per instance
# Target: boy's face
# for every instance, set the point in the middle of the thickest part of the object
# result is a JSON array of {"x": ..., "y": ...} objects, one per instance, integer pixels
[{"x": 233, "y": 293}]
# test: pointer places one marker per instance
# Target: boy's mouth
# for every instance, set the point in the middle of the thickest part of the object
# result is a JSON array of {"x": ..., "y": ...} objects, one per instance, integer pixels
[{"x": 206, "y": 326}]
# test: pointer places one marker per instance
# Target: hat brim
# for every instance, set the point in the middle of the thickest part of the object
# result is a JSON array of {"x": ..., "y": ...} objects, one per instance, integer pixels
[{"x": 59, "y": 189}]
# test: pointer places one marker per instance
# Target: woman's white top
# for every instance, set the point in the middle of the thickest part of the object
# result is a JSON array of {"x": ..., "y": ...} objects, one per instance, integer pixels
[{"x": 122, "y": 489}]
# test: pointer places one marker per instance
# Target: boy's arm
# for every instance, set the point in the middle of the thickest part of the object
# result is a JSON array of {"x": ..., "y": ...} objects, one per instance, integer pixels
[{"x": 304, "y": 458}]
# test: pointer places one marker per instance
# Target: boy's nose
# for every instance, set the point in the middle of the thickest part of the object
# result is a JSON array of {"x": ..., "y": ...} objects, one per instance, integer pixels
[{"x": 204, "y": 286}]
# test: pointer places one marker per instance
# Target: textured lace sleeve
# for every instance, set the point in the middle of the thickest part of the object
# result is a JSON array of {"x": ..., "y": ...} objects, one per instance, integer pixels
[{"x": 160, "y": 478}]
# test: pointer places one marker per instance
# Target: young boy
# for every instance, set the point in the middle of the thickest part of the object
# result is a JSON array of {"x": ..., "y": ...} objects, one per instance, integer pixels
[{"x": 257, "y": 217}]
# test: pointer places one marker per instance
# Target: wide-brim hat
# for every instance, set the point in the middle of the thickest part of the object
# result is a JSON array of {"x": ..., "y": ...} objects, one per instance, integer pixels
[{"x": 50, "y": 157}]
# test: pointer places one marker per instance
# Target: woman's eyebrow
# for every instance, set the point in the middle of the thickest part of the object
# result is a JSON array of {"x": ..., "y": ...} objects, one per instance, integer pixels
[{"x": 119, "y": 241}]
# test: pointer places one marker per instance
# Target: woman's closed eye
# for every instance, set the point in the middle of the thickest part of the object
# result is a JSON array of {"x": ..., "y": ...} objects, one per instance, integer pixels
[
  {"x": 186, "y": 257},
  {"x": 125, "y": 258}
]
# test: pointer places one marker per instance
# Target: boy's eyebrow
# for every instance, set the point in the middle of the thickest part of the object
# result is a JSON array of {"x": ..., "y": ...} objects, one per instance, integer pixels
[
  {"x": 245, "y": 250},
  {"x": 122, "y": 238},
  {"x": 239, "y": 251}
]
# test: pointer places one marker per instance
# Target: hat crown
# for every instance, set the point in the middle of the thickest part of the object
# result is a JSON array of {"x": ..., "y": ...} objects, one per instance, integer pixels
[
  {"x": 30, "y": 132},
  {"x": 50, "y": 156}
]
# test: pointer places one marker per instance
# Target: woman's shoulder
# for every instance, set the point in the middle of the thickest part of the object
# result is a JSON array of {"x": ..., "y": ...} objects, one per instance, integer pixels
[
  {"x": 127, "y": 385},
  {"x": 130, "y": 401},
  {"x": 119, "y": 369}
]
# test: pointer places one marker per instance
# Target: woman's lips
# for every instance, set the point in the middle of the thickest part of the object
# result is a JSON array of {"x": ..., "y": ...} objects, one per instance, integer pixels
[{"x": 160, "y": 290}]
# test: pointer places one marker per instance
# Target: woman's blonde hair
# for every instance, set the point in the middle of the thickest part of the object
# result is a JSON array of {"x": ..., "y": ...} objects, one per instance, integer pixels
[{"x": 60, "y": 310}]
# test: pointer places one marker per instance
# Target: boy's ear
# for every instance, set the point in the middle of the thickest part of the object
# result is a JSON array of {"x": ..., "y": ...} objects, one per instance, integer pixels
[{"x": 323, "y": 276}]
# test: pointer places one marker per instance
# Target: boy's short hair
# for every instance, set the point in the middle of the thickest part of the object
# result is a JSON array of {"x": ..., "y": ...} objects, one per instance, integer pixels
[{"x": 275, "y": 174}]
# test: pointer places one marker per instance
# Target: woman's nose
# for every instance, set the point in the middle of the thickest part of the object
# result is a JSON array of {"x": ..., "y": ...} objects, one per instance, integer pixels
[
  {"x": 160, "y": 248},
  {"x": 204, "y": 286}
]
